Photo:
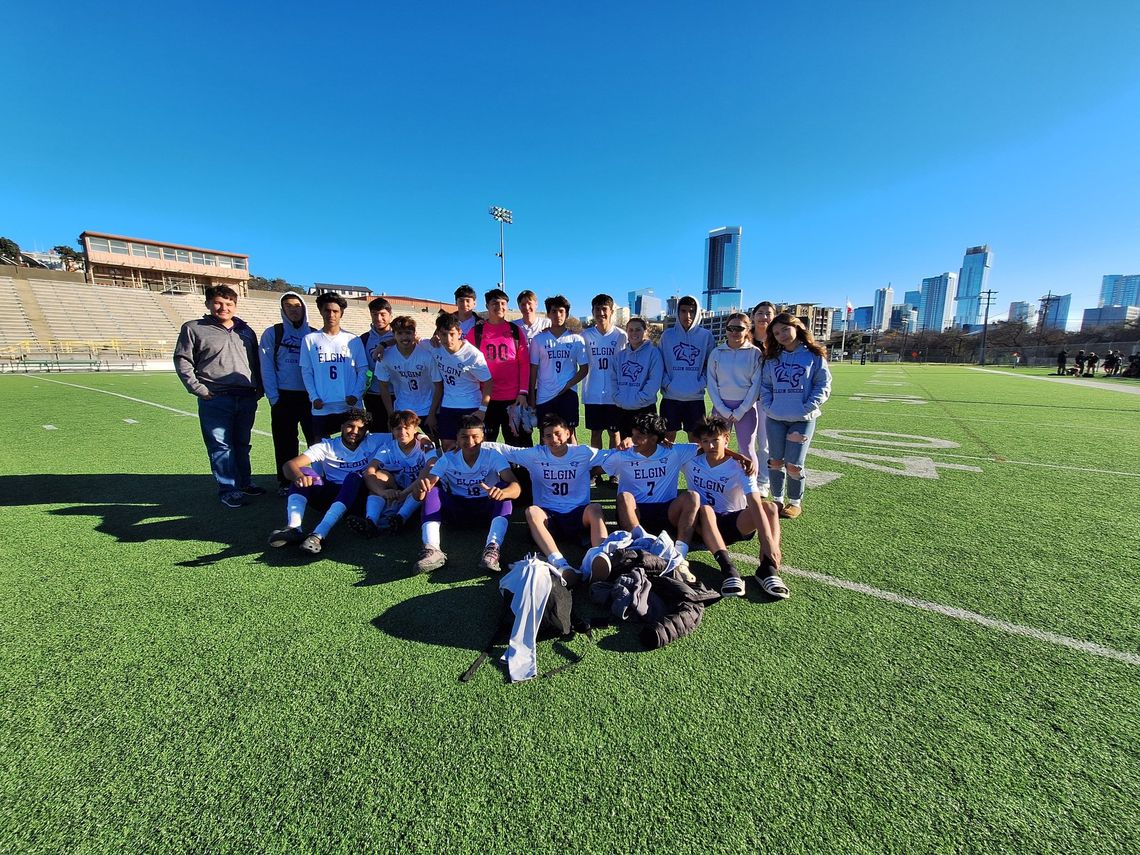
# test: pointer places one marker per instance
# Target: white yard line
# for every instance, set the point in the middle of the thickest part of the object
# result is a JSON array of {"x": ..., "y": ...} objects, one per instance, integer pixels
[
  {"x": 956, "y": 613},
  {"x": 1069, "y": 381},
  {"x": 887, "y": 450},
  {"x": 136, "y": 400},
  {"x": 1020, "y": 422}
]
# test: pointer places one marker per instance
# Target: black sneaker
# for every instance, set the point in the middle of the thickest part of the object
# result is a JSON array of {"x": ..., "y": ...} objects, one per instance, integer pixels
[
  {"x": 286, "y": 537},
  {"x": 393, "y": 524},
  {"x": 234, "y": 499},
  {"x": 253, "y": 490},
  {"x": 362, "y": 525}
]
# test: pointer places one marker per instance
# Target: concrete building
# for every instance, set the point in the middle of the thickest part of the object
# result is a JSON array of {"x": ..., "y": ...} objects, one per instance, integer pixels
[
  {"x": 1120, "y": 290},
  {"x": 168, "y": 268},
  {"x": 722, "y": 270},
  {"x": 973, "y": 279},
  {"x": 936, "y": 305},
  {"x": 1108, "y": 316},
  {"x": 881, "y": 311},
  {"x": 819, "y": 319}
]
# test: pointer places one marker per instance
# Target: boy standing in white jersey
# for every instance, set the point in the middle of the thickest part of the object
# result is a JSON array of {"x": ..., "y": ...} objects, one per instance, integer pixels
[
  {"x": 604, "y": 343},
  {"x": 462, "y": 381},
  {"x": 407, "y": 369},
  {"x": 333, "y": 365},
  {"x": 558, "y": 361},
  {"x": 732, "y": 510}
]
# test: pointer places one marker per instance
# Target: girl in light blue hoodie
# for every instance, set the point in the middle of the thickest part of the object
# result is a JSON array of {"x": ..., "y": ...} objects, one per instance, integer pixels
[{"x": 794, "y": 383}]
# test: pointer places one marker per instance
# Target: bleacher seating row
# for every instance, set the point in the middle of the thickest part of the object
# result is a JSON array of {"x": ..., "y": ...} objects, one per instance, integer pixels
[{"x": 132, "y": 322}]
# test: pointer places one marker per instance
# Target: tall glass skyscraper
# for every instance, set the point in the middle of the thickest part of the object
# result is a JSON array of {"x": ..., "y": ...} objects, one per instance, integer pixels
[
  {"x": 1118, "y": 290},
  {"x": 884, "y": 297},
  {"x": 1054, "y": 311},
  {"x": 972, "y": 280},
  {"x": 936, "y": 306},
  {"x": 722, "y": 270}
]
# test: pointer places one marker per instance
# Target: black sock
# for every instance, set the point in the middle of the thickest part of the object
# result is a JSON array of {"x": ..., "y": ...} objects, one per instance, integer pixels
[
  {"x": 726, "y": 565},
  {"x": 767, "y": 567}
]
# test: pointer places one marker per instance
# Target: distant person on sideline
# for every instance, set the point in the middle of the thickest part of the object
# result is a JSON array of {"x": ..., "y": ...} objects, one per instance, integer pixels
[
  {"x": 1062, "y": 359},
  {"x": 217, "y": 360}
]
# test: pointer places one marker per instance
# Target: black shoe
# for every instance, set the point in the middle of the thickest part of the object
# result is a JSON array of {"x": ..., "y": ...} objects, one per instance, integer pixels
[
  {"x": 286, "y": 537},
  {"x": 253, "y": 490},
  {"x": 233, "y": 499},
  {"x": 362, "y": 525}
]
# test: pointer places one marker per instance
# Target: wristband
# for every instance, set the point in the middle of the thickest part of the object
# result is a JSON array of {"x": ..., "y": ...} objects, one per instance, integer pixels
[{"x": 483, "y": 408}]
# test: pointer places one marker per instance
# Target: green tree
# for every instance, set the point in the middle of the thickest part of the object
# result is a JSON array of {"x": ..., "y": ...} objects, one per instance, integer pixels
[
  {"x": 72, "y": 259},
  {"x": 10, "y": 250}
]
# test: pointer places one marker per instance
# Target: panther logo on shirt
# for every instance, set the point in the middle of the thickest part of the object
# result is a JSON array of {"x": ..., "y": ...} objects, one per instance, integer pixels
[
  {"x": 632, "y": 370},
  {"x": 687, "y": 353},
  {"x": 789, "y": 375}
]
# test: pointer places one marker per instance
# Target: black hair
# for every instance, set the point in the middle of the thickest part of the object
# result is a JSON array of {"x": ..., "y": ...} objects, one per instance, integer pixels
[
  {"x": 602, "y": 300},
  {"x": 496, "y": 294},
  {"x": 711, "y": 426},
  {"x": 557, "y": 302},
  {"x": 464, "y": 290},
  {"x": 356, "y": 415},
  {"x": 447, "y": 321},
  {"x": 650, "y": 423},
  {"x": 379, "y": 304},
  {"x": 224, "y": 291},
  {"x": 552, "y": 420},
  {"x": 331, "y": 297},
  {"x": 470, "y": 422}
]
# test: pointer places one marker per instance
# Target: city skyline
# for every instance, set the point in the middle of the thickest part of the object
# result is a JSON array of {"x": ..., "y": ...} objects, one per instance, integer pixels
[{"x": 368, "y": 149}]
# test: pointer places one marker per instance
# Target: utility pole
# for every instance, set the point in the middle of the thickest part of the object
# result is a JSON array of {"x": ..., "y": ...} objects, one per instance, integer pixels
[
  {"x": 989, "y": 298},
  {"x": 1046, "y": 303}
]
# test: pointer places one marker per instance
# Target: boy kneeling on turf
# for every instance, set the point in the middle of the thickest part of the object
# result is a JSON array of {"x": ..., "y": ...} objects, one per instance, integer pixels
[
  {"x": 732, "y": 510},
  {"x": 473, "y": 484},
  {"x": 329, "y": 474},
  {"x": 391, "y": 477},
  {"x": 560, "y": 477}
]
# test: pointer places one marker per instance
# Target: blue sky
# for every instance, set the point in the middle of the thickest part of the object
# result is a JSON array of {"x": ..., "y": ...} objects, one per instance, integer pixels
[{"x": 856, "y": 143}]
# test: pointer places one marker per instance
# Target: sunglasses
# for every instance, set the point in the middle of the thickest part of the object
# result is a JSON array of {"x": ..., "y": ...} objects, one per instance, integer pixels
[{"x": 736, "y": 328}]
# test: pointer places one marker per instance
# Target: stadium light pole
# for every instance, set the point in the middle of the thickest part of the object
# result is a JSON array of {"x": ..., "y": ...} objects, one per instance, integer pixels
[{"x": 505, "y": 218}]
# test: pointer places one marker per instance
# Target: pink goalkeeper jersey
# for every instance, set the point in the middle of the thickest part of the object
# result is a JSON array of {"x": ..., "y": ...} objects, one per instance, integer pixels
[{"x": 507, "y": 357}]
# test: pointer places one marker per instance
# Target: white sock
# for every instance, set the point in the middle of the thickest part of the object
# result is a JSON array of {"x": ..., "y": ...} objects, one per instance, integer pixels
[
  {"x": 373, "y": 507},
  {"x": 498, "y": 531},
  {"x": 430, "y": 532},
  {"x": 295, "y": 510},
  {"x": 683, "y": 548},
  {"x": 410, "y": 506},
  {"x": 331, "y": 518},
  {"x": 557, "y": 559},
  {"x": 638, "y": 532}
]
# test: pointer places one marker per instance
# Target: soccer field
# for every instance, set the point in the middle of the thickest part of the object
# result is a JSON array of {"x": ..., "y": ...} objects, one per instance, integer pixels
[{"x": 958, "y": 669}]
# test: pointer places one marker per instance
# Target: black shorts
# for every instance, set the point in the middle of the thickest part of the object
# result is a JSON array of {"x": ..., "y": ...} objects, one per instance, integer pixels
[
  {"x": 565, "y": 405},
  {"x": 602, "y": 417},
  {"x": 567, "y": 524},
  {"x": 447, "y": 419},
  {"x": 729, "y": 530},
  {"x": 654, "y": 517},
  {"x": 626, "y": 417},
  {"x": 682, "y": 415}
]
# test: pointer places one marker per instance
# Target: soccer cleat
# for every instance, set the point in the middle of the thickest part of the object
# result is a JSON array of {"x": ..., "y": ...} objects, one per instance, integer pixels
[
  {"x": 392, "y": 524},
  {"x": 684, "y": 572},
  {"x": 286, "y": 537},
  {"x": 362, "y": 525},
  {"x": 253, "y": 490},
  {"x": 790, "y": 512},
  {"x": 490, "y": 559},
  {"x": 430, "y": 559},
  {"x": 311, "y": 544},
  {"x": 234, "y": 499}
]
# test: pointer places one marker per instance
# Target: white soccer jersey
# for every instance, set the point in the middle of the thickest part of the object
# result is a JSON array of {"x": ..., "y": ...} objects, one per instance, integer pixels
[
  {"x": 465, "y": 481},
  {"x": 410, "y": 377},
  {"x": 560, "y": 484},
  {"x": 558, "y": 359},
  {"x": 462, "y": 373},
  {"x": 600, "y": 385},
  {"x": 334, "y": 462},
  {"x": 725, "y": 487},
  {"x": 532, "y": 330},
  {"x": 404, "y": 467},
  {"x": 651, "y": 479},
  {"x": 333, "y": 368}
]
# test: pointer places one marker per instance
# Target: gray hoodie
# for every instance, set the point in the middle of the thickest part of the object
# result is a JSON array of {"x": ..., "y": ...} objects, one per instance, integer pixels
[
  {"x": 686, "y": 355},
  {"x": 213, "y": 360},
  {"x": 280, "y": 358}
]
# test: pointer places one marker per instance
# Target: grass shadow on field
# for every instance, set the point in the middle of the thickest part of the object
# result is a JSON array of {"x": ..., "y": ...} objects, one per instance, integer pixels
[{"x": 463, "y": 617}]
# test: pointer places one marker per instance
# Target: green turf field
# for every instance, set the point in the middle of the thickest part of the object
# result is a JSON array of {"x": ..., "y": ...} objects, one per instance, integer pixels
[{"x": 171, "y": 684}]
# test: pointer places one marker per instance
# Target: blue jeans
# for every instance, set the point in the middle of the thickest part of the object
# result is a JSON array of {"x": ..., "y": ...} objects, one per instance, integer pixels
[
  {"x": 779, "y": 448},
  {"x": 227, "y": 423}
]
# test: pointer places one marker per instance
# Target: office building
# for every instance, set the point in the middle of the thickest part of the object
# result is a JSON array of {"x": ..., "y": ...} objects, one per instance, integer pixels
[
  {"x": 912, "y": 298},
  {"x": 904, "y": 318},
  {"x": 722, "y": 270},
  {"x": 972, "y": 281},
  {"x": 1021, "y": 312},
  {"x": 861, "y": 318},
  {"x": 1054, "y": 314},
  {"x": 936, "y": 304},
  {"x": 644, "y": 303},
  {"x": 881, "y": 311},
  {"x": 1120, "y": 290},
  {"x": 1109, "y": 316},
  {"x": 169, "y": 268}
]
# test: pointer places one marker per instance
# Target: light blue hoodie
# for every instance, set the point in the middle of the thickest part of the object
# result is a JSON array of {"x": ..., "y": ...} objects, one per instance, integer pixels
[
  {"x": 685, "y": 354},
  {"x": 793, "y": 386},
  {"x": 638, "y": 376},
  {"x": 281, "y": 361}
]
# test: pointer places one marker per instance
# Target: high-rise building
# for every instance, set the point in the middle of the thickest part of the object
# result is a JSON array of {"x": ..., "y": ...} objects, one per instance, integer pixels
[
  {"x": 1021, "y": 312},
  {"x": 912, "y": 297},
  {"x": 1120, "y": 290},
  {"x": 722, "y": 270},
  {"x": 1108, "y": 316},
  {"x": 972, "y": 280},
  {"x": 861, "y": 317},
  {"x": 1054, "y": 312},
  {"x": 645, "y": 303},
  {"x": 904, "y": 317},
  {"x": 881, "y": 314},
  {"x": 936, "y": 305}
]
